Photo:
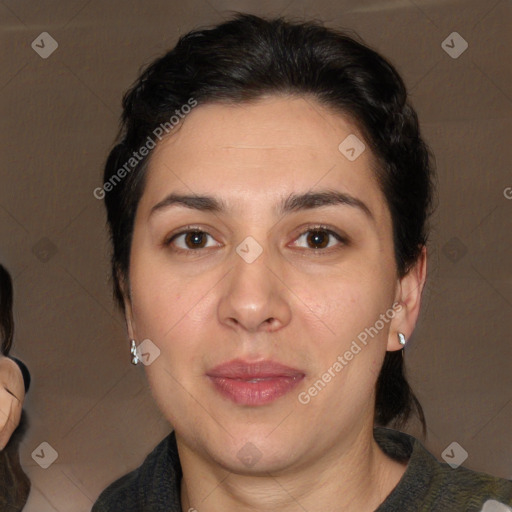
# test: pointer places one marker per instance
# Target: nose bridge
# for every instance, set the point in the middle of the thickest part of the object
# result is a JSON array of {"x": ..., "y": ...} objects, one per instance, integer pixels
[{"x": 254, "y": 298}]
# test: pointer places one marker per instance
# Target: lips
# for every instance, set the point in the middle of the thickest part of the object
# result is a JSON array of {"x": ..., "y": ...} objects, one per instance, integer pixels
[{"x": 254, "y": 383}]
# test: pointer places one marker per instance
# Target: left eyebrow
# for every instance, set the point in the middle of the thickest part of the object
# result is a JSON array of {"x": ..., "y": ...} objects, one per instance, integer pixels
[
  {"x": 310, "y": 200},
  {"x": 292, "y": 203}
]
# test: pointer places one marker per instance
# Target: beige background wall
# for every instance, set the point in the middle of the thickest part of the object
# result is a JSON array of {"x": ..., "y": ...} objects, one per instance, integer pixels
[{"x": 58, "y": 119}]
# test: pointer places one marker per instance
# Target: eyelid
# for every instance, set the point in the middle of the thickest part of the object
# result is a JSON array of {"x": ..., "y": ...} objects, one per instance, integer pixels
[
  {"x": 340, "y": 237},
  {"x": 183, "y": 231}
]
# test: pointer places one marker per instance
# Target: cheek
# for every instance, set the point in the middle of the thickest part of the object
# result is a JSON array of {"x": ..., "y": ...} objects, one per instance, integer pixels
[
  {"x": 350, "y": 341},
  {"x": 348, "y": 301},
  {"x": 162, "y": 298},
  {"x": 354, "y": 345},
  {"x": 172, "y": 312}
]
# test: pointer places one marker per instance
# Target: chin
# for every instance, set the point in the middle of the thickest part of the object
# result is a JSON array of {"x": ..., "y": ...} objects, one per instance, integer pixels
[
  {"x": 255, "y": 452},
  {"x": 251, "y": 460}
]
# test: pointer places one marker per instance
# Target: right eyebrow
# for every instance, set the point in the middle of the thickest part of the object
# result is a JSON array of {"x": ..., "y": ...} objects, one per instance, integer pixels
[{"x": 201, "y": 203}]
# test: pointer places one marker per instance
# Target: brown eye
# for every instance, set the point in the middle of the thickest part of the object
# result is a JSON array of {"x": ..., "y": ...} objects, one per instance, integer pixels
[
  {"x": 319, "y": 238},
  {"x": 195, "y": 239}
]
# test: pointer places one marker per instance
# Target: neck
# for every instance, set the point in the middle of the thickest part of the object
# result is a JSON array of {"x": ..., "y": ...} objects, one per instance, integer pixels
[{"x": 353, "y": 475}]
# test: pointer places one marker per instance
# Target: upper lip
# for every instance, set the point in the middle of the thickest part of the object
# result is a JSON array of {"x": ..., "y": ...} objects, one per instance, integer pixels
[{"x": 239, "y": 369}]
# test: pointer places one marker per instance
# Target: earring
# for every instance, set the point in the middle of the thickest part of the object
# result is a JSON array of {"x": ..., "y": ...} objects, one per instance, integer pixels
[
  {"x": 133, "y": 351},
  {"x": 401, "y": 338}
]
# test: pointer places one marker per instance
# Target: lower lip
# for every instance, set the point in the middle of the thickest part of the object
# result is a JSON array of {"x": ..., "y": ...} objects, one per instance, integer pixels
[{"x": 261, "y": 392}]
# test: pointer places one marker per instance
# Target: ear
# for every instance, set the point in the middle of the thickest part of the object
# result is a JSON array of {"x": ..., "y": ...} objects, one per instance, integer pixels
[
  {"x": 130, "y": 323},
  {"x": 408, "y": 296},
  {"x": 128, "y": 310}
]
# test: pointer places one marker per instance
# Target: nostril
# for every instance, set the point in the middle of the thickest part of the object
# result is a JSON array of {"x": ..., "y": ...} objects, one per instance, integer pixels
[{"x": 270, "y": 323}]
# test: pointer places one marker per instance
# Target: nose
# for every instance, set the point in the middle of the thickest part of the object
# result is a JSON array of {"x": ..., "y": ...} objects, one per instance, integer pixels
[{"x": 254, "y": 298}]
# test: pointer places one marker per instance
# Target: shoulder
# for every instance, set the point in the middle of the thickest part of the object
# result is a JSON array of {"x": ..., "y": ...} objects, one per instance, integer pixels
[
  {"x": 16, "y": 369},
  {"x": 470, "y": 490},
  {"x": 429, "y": 484},
  {"x": 24, "y": 371},
  {"x": 153, "y": 486}
]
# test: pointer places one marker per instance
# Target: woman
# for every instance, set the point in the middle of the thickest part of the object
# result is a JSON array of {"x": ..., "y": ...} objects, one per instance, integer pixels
[
  {"x": 14, "y": 384},
  {"x": 267, "y": 203}
]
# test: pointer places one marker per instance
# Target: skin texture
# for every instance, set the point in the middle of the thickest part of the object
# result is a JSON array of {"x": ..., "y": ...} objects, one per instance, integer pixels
[
  {"x": 12, "y": 394},
  {"x": 295, "y": 304}
]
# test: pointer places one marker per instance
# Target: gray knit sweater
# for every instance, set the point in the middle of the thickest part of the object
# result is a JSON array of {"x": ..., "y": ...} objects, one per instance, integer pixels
[{"x": 426, "y": 486}]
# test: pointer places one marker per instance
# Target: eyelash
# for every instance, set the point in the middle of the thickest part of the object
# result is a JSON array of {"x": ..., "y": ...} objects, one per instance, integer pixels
[{"x": 321, "y": 228}]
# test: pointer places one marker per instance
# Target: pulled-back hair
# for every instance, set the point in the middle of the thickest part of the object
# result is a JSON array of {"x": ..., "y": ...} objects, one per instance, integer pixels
[{"x": 247, "y": 58}]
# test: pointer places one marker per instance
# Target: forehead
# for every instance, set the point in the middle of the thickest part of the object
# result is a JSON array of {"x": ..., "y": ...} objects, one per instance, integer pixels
[{"x": 261, "y": 150}]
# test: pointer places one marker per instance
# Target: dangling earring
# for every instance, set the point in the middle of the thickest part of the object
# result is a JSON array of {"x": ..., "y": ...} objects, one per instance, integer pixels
[
  {"x": 401, "y": 339},
  {"x": 133, "y": 351}
]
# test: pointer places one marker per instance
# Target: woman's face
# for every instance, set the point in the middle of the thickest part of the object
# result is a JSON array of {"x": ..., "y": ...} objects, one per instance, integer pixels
[{"x": 277, "y": 274}]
